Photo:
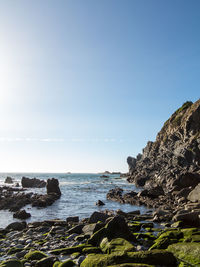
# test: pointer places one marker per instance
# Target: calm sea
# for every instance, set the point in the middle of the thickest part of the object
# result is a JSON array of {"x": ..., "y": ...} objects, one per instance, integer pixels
[{"x": 80, "y": 192}]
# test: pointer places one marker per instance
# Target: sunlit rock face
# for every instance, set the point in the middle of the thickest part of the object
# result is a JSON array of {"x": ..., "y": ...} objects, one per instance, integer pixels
[{"x": 173, "y": 160}]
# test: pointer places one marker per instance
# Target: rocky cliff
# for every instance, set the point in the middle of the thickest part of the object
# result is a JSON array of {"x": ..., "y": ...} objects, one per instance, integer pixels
[{"x": 173, "y": 160}]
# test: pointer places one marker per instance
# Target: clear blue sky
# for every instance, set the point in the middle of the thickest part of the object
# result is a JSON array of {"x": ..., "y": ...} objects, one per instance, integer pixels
[{"x": 84, "y": 83}]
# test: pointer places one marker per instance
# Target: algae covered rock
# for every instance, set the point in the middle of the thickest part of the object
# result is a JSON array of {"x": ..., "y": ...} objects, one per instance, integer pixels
[
  {"x": 131, "y": 265},
  {"x": 69, "y": 250},
  {"x": 156, "y": 257},
  {"x": 46, "y": 262},
  {"x": 35, "y": 255},
  {"x": 67, "y": 263},
  {"x": 11, "y": 263},
  {"x": 116, "y": 245},
  {"x": 115, "y": 228},
  {"x": 187, "y": 252},
  {"x": 167, "y": 238}
]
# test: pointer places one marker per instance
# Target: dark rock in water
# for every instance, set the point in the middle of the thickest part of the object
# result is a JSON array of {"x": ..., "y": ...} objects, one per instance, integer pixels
[
  {"x": 53, "y": 186},
  {"x": 8, "y": 180},
  {"x": 115, "y": 194},
  {"x": 74, "y": 219},
  {"x": 16, "y": 226},
  {"x": 98, "y": 216},
  {"x": 100, "y": 203},
  {"x": 104, "y": 176},
  {"x": 22, "y": 214},
  {"x": 44, "y": 200},
  {"x": 32, "y": 182}
]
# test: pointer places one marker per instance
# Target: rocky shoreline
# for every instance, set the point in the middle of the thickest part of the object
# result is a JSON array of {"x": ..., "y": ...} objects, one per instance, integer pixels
[
  {"x": 168, "y": 172},
  {"x": 105, "y": 239}
]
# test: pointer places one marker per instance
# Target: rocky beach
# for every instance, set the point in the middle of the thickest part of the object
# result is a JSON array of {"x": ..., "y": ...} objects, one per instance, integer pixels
[{"x": 167, "y": 180}]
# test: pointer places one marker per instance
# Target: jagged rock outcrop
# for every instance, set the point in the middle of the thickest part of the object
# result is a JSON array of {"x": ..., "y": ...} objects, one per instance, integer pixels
[
  {"x": 173, "y": 160},
  {"x": 169, "y": 168}
]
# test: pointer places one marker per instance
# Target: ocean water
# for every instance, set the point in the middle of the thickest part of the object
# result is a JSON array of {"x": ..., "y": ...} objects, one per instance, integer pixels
[{"x": 80, "y": 192}]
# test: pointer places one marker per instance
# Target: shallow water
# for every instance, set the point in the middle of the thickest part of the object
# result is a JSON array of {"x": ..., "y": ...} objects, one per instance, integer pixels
[{"x": 80, "y": 192}]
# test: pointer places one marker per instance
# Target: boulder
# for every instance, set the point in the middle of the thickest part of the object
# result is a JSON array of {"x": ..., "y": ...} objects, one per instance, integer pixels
[
  {"x": 8, "y": 180},
  {"x": 186, "y": 252},
  {"x": 194, "y": 195},
  {"x": 188, "y": 218},
  {"x": 32, "y": 182},
  {"x": 72, "y": 219},
  {"x": 21, "y": 214},
  {"x": 187, "y": 179},
  {"x": 90, "y": 229},
  {"x": 53, "y": 186},
  {"x": 98, "y": 216},
  {"x": 16, "y": 226}
]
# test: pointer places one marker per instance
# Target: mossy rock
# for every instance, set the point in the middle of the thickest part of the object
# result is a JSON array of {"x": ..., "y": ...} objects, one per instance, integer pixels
[
  {"x": 14, "y": 250},
  {"x": 135, "y": 226},
  {"x": 146, "y": 236},
  {"x": 67, "y": 263},
  {"x": 131, "y": 265},
  {"x": 70, "y": 250},
  {"x": 156, "y": 257},
  {"x": 35, "y": 255},
  {"x": 171, "y": 234},
  {"x": 163, "y": 243},
  {"x": 116, "y": 245},
  {"x": 147, "y": 225},
  {"x": 189, "y": 233},
  {"x": 75, "y": 255},
  {"x": 89, "y": 250},
  {"x": 56, "y": 264},
  {"x": 45, "y": 262},
  {"x": 11, "y": 263},
  {"x": 187, "y": 252}
]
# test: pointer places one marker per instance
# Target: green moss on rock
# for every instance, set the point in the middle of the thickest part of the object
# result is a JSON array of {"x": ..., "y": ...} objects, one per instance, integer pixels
[
  {"x": 156, "y": 257},
  {"x": 35, "y": 255},
  {"x": 11, "y": 263},
  {"x": 67, "y": 263},
  {"x": 89, "y": 250},
  {"x": 70, "y": 250},
  {"x": 116, "y": 245},
  {"x": 131, "y": 265},
  {"x": 187, "y": 252}
]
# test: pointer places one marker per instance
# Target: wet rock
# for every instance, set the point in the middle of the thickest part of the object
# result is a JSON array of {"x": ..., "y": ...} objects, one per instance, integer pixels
[
  {"x": 32, "y": 182},
  {"x": 22, "y": 214},
  {"x": 8, "y": 180},
  {"x": 53, "y": 187},
  {"x": 100, "y": 203},
  {"x": 115, "y": 194}
]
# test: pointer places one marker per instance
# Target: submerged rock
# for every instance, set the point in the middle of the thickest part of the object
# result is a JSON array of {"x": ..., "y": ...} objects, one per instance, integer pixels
[{"x": 22, "y": 214}]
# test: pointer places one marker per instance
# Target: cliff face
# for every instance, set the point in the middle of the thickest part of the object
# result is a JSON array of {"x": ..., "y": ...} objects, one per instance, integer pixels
[{"x": 173, "y": 160}]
